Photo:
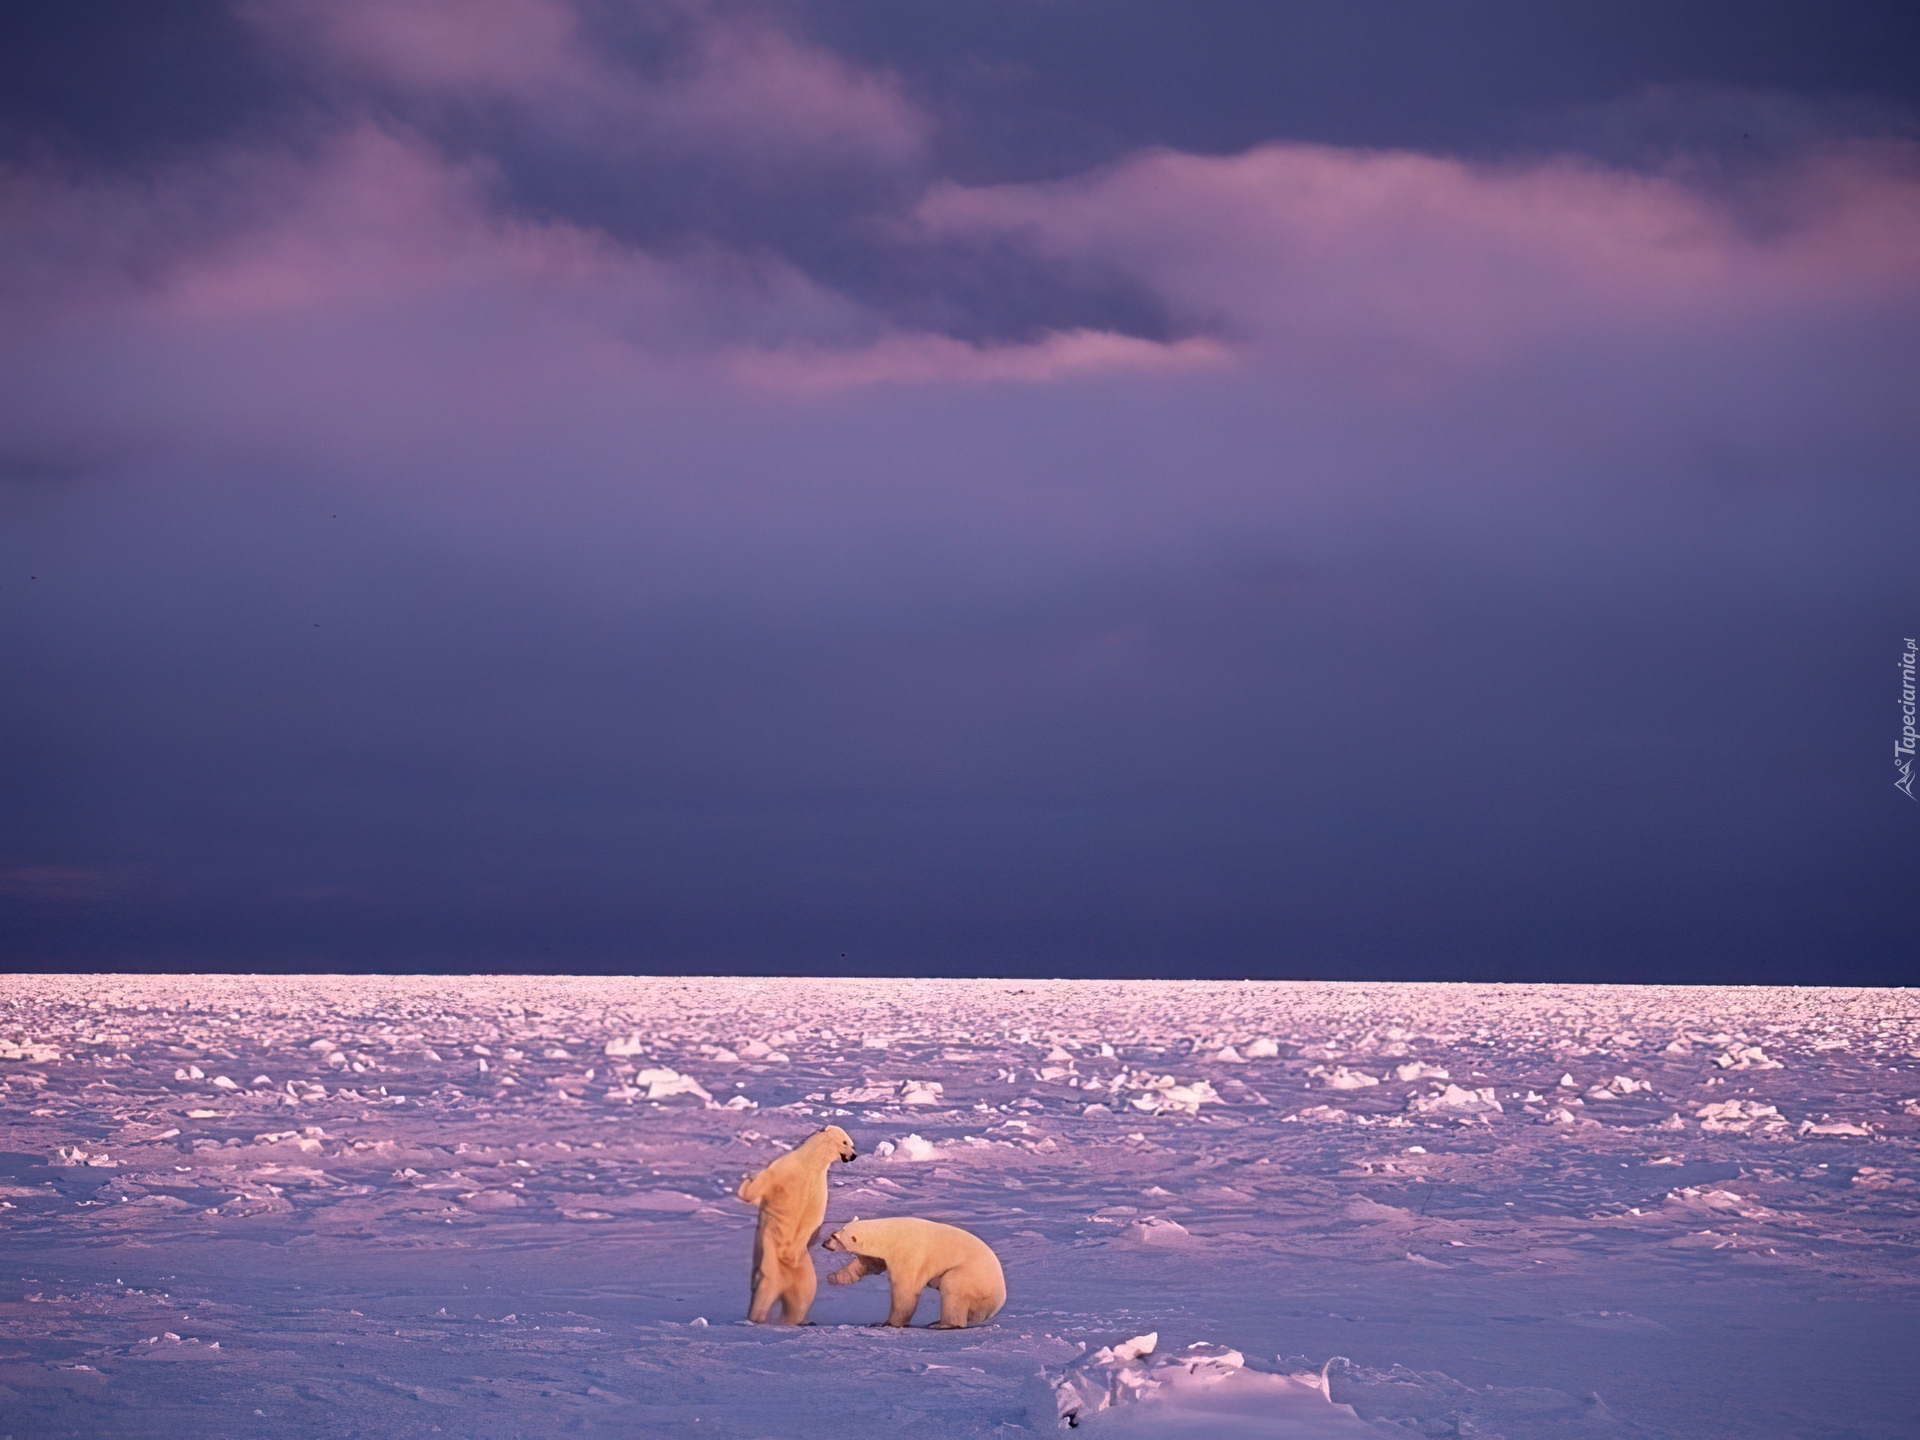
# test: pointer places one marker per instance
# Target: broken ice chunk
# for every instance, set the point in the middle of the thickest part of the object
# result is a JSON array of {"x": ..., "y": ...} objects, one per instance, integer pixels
[
  {"x": 913, "y": 1147},
  {"x": 1456, "y": 1103},
  {"x": 80, "y": 1155},
  {"x": 662, "y": 1083},
  {"x": 1344, "y": 1079},
  {"x": 1321, "y": 1115},
  {"x": 1739, "y": 1116},
  {"x": 863, "y": 1094},
  {"x": 1745, "y": 1057},
  {"x": 1166, "y": 1095},
  {"x": 1834, "y": 1127},
  {"x": 26, "y": 1050}
]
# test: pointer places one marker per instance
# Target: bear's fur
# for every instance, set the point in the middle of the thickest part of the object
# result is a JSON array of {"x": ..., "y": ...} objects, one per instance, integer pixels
[
  {"x": 792, "y": 1196},
  {"x": 917, "y": 1253}
]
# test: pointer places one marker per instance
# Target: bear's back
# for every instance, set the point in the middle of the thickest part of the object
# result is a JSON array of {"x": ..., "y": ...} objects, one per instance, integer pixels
[{"x": 904, "y": 1235}]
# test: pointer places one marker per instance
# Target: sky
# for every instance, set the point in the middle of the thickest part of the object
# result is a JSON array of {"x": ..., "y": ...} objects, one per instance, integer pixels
[{"x": 1251, "y": 490}]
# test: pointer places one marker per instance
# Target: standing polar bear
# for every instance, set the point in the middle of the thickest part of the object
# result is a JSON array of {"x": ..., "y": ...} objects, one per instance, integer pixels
[
  {"x": 792, "y": 1196},
  {"x": 918, "y": 1253}
]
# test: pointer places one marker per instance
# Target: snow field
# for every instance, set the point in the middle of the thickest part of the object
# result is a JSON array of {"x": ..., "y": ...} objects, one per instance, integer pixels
[{"x": 499, "y": 1206}]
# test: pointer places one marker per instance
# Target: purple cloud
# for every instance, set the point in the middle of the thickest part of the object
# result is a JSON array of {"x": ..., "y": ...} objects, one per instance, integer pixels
[{"x": 1198, "y": 526}]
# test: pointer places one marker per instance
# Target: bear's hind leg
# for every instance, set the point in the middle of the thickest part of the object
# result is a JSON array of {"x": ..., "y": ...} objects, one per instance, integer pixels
[
  {"x": 766, "y": 1291},
  {"x": 958, "y": 1306},
  {"x": 797, "y": 1299}
]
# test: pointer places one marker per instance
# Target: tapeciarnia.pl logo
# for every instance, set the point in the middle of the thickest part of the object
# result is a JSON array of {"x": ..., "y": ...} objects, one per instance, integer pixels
[{"x": 1903, "y": 747}]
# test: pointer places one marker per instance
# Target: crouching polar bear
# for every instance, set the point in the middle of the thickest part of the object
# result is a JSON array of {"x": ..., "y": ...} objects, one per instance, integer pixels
[
  {"x": 917, "y": 1253},
  {"x": 792, "y": 1196}
]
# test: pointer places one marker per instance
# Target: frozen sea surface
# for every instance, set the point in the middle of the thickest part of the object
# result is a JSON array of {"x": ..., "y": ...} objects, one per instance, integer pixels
[{"x": 503, "y": 1207}]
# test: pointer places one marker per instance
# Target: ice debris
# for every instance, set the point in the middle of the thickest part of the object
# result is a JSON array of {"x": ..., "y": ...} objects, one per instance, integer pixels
[
  {"x": 1834, "y": 1127},
  {"x": 1617, "y": 1087},
  {"x": 1745, "y": 1057},
  {"x": 1321, "y": 1115},
  {"x": 1456, "y": 1103},
  {"x": 662, "y": 1083},
  {"x": 1739, "y": 1116},
  {"x": 80, "y": 1155},
  {"x": 913, "y": 1147},
  {"x": 1166, "y": 1094}
]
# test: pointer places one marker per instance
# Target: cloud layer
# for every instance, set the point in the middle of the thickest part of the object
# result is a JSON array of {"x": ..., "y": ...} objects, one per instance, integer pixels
[{"x": 596, "y": 478}]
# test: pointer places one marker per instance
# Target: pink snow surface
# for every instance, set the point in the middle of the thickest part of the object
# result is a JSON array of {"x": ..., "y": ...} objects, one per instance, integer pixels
[{"x": 473, "y": 1207}]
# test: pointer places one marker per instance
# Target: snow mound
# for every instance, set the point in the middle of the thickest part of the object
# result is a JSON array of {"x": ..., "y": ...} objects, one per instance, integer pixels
[
  {"x": 1341, "y": 1078},
  {"x": 1420, "y": 1070},
  {"x": 1155, "y": 1231},
  {"x": 631, "y": 1045},
  {"x": 1204, "y": 1390},
  {"x": 1373, "y": 1212},
  {"x": 1261, "y": 1049}
]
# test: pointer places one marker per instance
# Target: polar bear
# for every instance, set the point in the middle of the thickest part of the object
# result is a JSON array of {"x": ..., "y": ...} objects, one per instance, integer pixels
[
  {"x": 918, "y": 1253},
  {"x": 792, "y": 1196}
]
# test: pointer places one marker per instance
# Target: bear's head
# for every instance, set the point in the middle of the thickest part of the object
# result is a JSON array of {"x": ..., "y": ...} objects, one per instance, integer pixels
[
  {"x": 847, "y": 1238},
  {"x": 838, "y": 1140}
]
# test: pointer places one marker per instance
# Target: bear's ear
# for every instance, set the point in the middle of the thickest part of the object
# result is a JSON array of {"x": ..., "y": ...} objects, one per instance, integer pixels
[{"x": 752, "y": 1189}]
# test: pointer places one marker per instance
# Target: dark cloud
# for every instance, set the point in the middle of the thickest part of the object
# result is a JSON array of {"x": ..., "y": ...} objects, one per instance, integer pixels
[{"x": 736, "y": 486}]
